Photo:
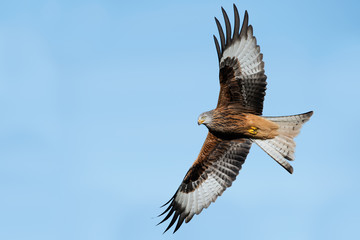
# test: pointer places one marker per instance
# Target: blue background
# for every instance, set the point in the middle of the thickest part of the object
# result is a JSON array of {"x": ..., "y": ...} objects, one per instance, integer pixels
[{"x": 99, "y": 102}]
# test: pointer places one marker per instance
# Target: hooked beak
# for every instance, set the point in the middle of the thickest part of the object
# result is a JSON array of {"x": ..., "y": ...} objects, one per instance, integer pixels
[{"x": 200, "y": 122}]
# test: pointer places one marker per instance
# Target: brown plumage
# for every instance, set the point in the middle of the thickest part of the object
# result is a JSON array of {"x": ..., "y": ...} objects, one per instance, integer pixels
[{"x": 233, "y": 125}]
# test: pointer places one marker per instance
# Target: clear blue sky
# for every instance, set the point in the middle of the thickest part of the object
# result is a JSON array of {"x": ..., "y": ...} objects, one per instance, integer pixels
[{"x": 99, "y": 102}]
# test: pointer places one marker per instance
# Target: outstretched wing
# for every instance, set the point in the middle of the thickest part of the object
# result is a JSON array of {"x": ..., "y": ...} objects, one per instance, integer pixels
[
  {"x": 216, "y": 167},
  {"x": 242, "y": 75}
]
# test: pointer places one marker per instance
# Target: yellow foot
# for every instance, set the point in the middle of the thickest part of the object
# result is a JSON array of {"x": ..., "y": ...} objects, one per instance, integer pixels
[{"x": 253, "y": 130}]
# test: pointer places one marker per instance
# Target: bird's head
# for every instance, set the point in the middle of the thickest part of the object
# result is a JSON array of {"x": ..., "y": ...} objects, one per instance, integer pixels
[{"x": 205, "y": 118}]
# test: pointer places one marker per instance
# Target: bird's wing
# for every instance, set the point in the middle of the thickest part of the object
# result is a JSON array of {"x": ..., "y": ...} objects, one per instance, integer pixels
[
  {"x": 242, "y": 75},
  {"x": 216, "y": 167}
]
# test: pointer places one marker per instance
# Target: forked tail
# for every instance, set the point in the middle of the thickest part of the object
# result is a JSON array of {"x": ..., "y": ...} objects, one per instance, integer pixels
[{"x": 282, "y": 147}]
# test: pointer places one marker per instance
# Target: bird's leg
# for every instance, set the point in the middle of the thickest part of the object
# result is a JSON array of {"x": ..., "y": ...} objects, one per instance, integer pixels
[{"x": 253, "y": 130}]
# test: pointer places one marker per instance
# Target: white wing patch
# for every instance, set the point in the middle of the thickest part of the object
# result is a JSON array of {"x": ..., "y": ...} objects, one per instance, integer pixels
[
  {"x": 221, "y": 170},
  {"x": 247, "y": 52},
  {"x": 194, "y": 202}
]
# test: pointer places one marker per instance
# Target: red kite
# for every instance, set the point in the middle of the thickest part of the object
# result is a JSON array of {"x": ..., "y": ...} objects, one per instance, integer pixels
[{"x": 234, "y": 125}]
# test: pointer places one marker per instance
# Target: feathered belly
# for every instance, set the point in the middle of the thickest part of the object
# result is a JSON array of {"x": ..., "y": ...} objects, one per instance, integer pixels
[{"x": 244, "y": 125}]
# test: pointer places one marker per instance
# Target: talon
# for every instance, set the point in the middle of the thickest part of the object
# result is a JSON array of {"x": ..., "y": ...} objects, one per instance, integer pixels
[{"x": 253, "y": 130}]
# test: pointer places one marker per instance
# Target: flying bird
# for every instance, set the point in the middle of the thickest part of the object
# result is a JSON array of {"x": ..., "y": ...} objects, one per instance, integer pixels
[{"x": 233, "y": 125}]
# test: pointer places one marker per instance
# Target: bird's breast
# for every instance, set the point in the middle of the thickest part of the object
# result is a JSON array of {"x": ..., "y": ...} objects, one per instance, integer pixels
[{"x": 233, "y": 125}]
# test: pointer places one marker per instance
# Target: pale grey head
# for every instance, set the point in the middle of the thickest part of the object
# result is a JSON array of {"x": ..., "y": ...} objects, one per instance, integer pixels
[{"x": 205, "y": 118}]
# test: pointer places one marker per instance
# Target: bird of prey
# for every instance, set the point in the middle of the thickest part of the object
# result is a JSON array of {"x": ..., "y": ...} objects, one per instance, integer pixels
[{"x": 233, "y": 125}]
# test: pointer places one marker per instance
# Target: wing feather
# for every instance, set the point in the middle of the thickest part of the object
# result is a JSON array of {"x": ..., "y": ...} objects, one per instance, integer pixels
[
  {"x": 217, "y": 166},
  {"x": 237, "y": 22},
  {"x": 221, "y": 34},
  {"x": 217, "y": 47},
  {"x": 242, "y": 74},
  {"x": 227, "y": 26}
]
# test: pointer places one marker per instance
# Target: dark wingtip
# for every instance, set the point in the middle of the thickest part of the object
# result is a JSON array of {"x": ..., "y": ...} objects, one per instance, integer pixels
[
  {"x": 244, "y": 27},
  {"x": 172, "y": 210},
  {"x": 237, "y": 22},
  {"x": 221, "y": 33},
  {"x": 235, "y": 8},
  {"x": 180, "y": 222},
  {"x": 223, "y": 10},
  {"x": 167, "y": 209},
  {"x": 167, "y": 217},
  {"x": 168, "y": 202},
  {"x": 246, "y": 15},
  {"x": 227, "y": 26},
  {"x": 217, "y": 47},
  {"x": 173, "y": 220}
]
